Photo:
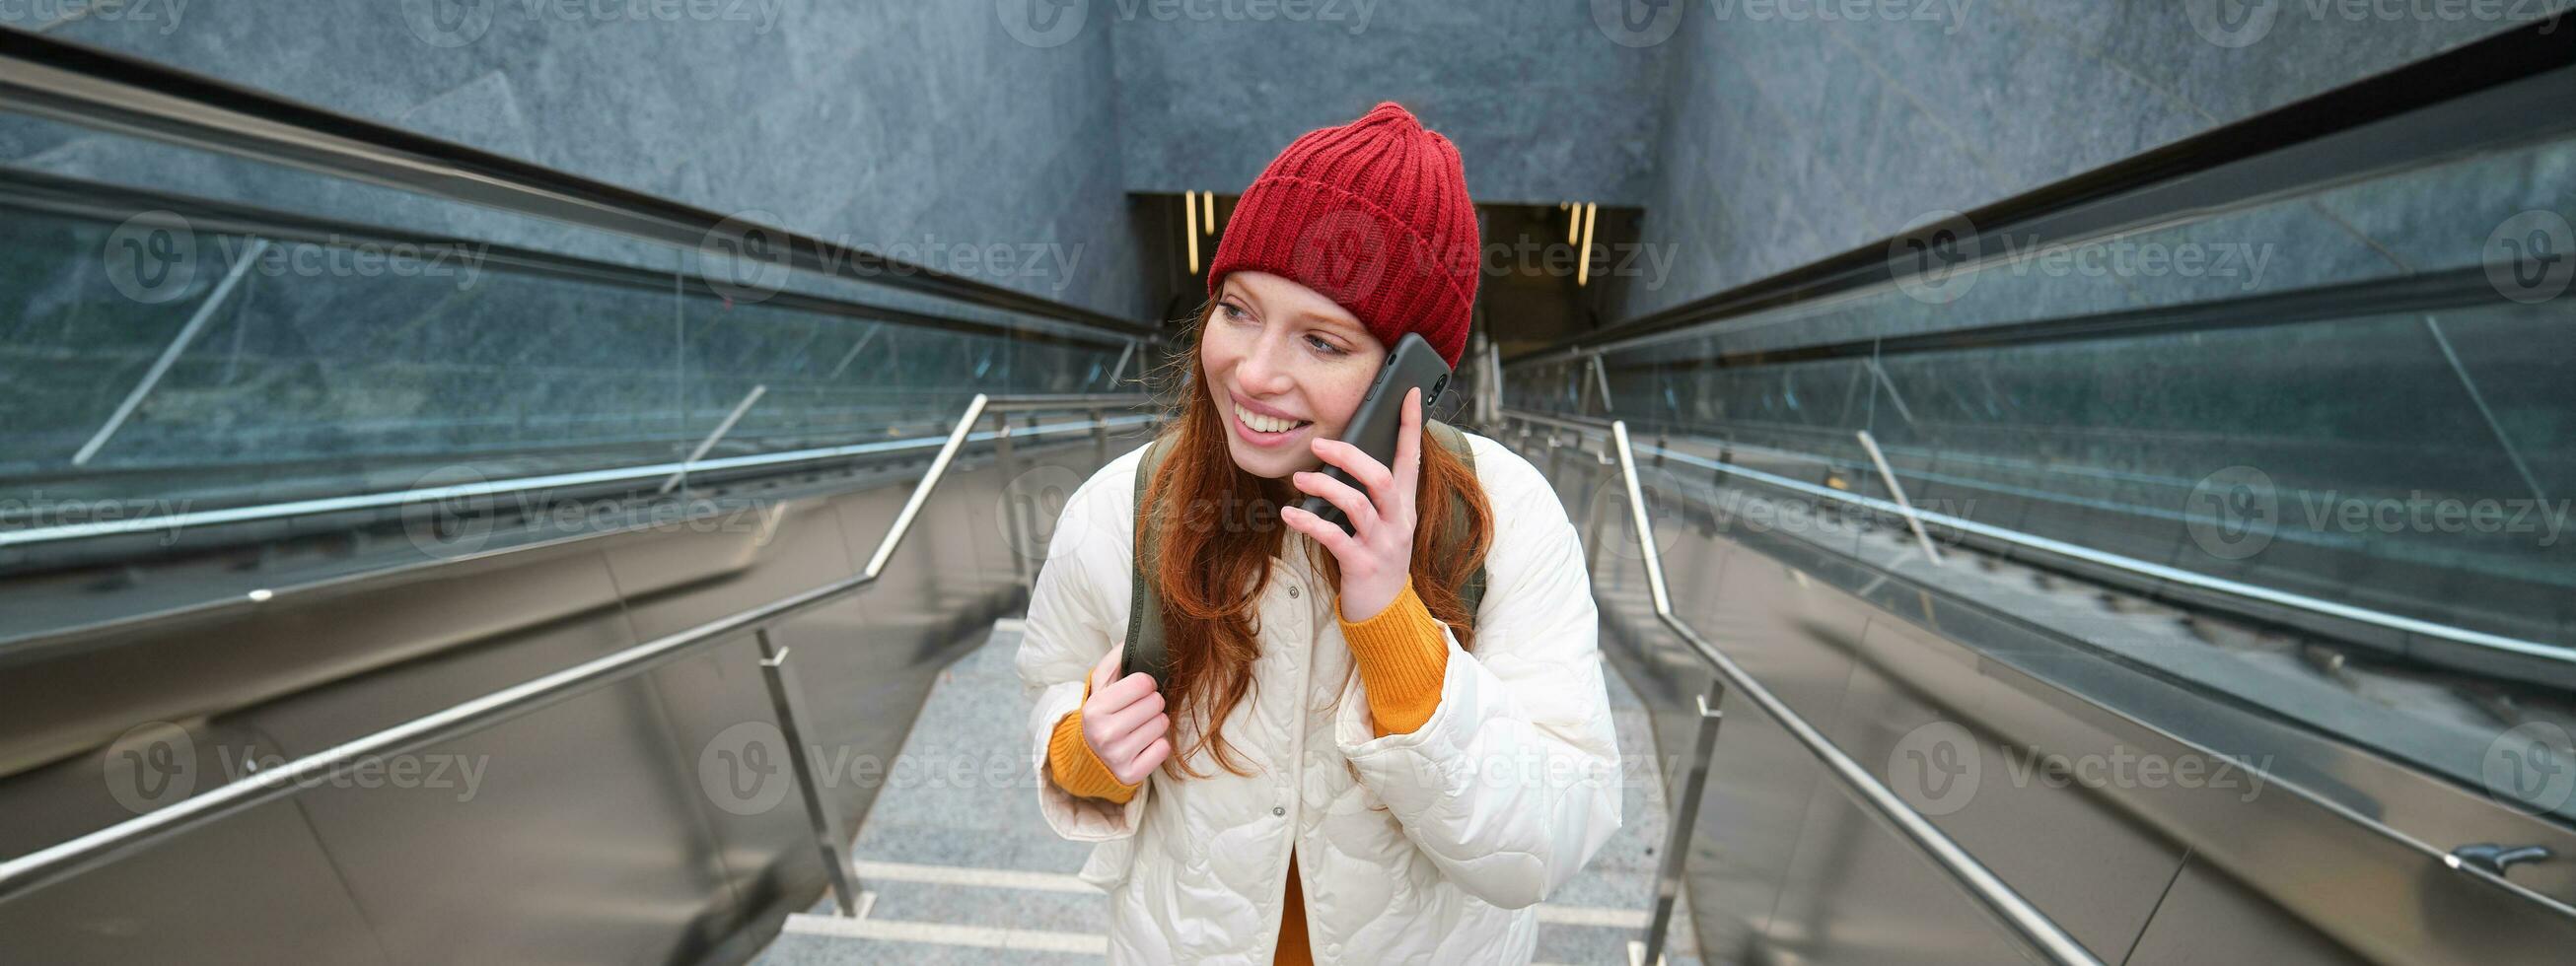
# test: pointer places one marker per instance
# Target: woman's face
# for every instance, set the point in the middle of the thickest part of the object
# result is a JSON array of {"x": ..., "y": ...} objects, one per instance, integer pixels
[{"x": 1282, "y": 354}]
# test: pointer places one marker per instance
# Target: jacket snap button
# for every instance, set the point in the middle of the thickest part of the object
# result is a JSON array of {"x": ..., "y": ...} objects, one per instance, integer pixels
[
  {"x": 1292, "y": 591},
  {"x": 1278, "y": 810},
  {"x": 1334, "y": 949}
]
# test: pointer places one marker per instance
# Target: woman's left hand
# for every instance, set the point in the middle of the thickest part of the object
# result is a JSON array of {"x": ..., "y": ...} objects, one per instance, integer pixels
[{"x": 1377, "y": 554}]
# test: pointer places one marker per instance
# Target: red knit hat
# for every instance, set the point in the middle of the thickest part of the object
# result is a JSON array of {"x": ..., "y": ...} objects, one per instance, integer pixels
[{"x": 1374, "y": 214}]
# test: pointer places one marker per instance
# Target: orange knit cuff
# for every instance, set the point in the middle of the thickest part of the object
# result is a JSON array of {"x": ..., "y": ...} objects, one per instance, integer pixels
[
  {"x": 1402, "y": 657},
  {"x": 1079, "y": 770}
]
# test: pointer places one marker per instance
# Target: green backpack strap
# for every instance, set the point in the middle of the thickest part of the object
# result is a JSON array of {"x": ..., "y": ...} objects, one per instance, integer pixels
[{"x": 1146, "y": 649}]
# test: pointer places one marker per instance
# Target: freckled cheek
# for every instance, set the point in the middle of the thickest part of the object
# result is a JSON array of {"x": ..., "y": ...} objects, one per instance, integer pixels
[{"x": 1336, "y": 402}]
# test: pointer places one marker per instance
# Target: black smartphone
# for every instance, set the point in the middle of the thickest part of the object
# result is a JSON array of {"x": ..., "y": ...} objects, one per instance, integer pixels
[{"x": 1380, "y": 416}]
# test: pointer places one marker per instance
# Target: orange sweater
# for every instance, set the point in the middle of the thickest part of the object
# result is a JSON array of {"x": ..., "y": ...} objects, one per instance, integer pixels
[{"x": 1402, "y": 658}]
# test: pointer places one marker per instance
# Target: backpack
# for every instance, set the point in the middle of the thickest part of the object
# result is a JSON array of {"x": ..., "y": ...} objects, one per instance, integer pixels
[{"x": 1145, "y": 638}]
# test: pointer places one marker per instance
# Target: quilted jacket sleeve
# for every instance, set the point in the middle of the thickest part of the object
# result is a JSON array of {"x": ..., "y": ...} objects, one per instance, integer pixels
[
  {"x": 1513, "y": 784},
  {"x": 1072, "y": 623}
]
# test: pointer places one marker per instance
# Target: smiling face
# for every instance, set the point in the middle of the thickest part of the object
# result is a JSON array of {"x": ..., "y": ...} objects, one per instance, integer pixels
[{"x": 1286, "y": 366}]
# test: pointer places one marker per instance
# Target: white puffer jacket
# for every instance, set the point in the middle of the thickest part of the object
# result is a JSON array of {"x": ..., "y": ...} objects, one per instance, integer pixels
[{"x": 1450, "y": 834}]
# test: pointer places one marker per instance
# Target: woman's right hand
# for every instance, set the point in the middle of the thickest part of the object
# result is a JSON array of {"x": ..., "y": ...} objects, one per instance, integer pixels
[{"x": 1124, "y": 723}]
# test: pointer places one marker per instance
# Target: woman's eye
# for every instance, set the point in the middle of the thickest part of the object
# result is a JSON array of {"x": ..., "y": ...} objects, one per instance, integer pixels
[
  {"x": 1323, "y": 346},
  {"x": 1233, "y": 311}
]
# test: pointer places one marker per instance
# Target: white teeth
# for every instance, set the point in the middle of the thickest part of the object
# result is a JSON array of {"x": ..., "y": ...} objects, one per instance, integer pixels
[{"x": 1265, "y": 424}]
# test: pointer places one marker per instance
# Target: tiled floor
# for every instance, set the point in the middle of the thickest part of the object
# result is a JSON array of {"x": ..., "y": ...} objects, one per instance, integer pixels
[{"x": 961, "y": 871}]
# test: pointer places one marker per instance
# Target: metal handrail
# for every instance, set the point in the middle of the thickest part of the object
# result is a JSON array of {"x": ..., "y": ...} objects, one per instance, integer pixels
[
  {"x": 37, "y": 192},
  {"x": 2016, "y": 913},
  {"x": 2451, "y": 857},
  {"x": 364, "y": 501},
  {"x": 35, "y": 870},
  {"x": 2131, "y": 565}
]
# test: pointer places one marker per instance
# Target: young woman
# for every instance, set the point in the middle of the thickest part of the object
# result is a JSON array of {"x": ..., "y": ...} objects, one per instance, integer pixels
[{"x": 1344, "y": 766}]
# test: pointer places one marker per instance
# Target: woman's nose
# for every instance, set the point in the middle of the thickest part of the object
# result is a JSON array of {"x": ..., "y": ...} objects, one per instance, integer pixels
[{"x": 1263, "y": 369}]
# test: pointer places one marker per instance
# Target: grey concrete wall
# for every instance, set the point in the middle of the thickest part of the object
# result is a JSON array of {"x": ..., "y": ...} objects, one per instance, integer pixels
[
  {"x": 1792, "y": 137},
  {"x": 1542, "y": 107},
  {"x": 879, "y": 124}
]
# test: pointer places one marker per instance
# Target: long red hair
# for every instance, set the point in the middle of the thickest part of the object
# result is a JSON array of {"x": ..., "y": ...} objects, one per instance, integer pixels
[{"x": 1221, "y": 528}]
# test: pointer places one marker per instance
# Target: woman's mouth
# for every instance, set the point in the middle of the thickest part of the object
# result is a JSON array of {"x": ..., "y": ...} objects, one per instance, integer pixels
[{"x": 1260, "y": 430}]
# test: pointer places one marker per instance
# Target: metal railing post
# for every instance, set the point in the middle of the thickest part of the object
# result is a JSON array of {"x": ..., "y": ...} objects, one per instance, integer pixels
[
  {"x": 2008, "y": 907},
  {"x": 1668, "y": 882},
  {"x": 787, "y": 701}
]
